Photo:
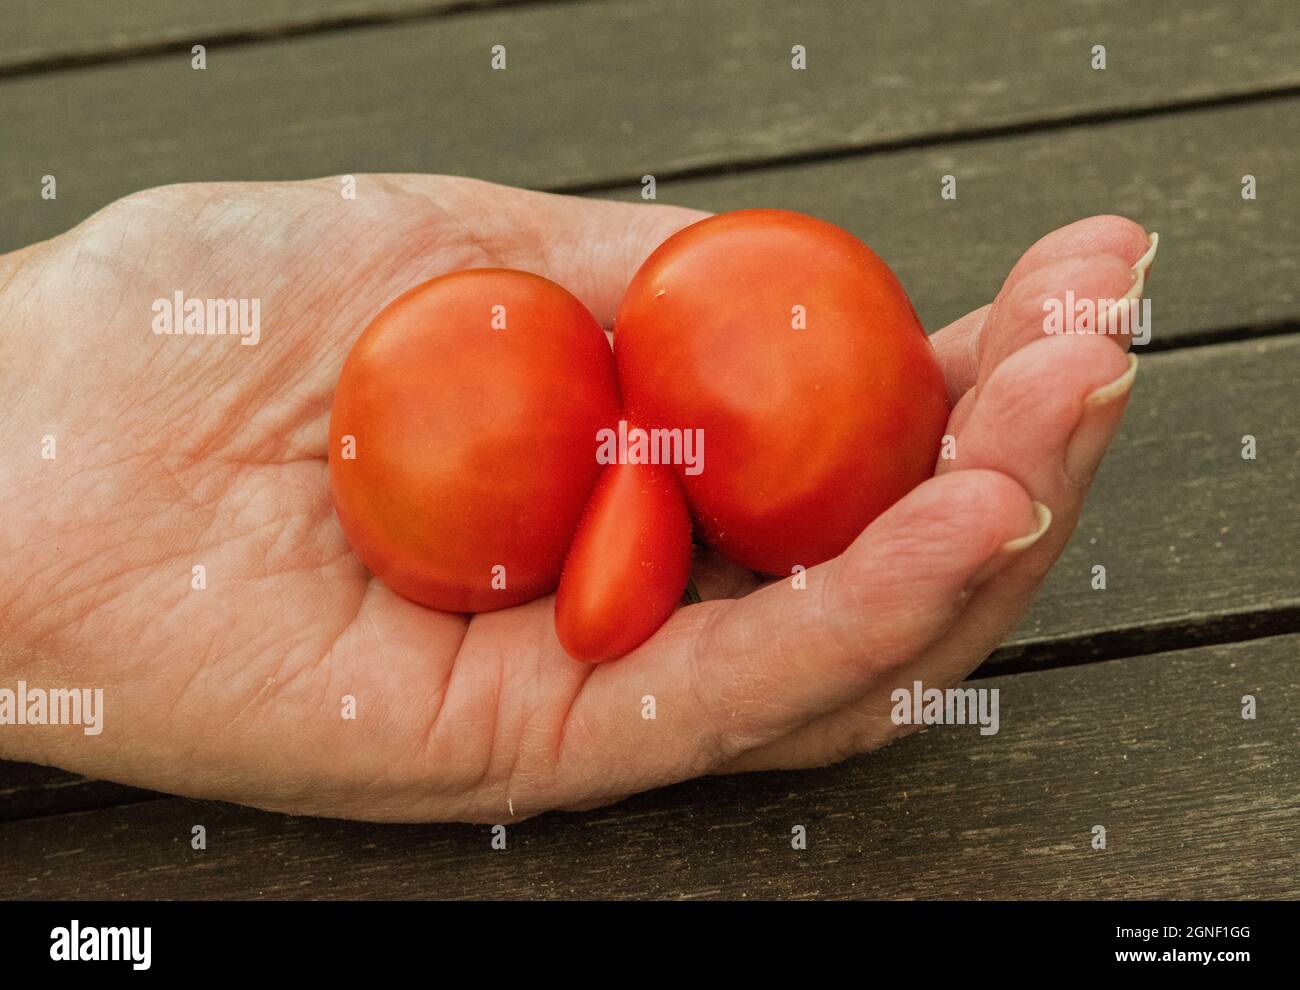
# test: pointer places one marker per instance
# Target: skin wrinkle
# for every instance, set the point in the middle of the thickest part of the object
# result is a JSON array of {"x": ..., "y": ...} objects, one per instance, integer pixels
[
  {"x": 506, "y": 768},
  {"x": 315, "y": 519},
  {"x": 197, "y": 669},
  {"x": 39, "y": 256},
  {"x": 184, "y": 494},
  {"x": 297, "y": 365},
  {"x": 435, "y": 724},
  {"x": 98, "y": 593},
  {"x": 725, "y": 744},
  {"x": 973, "y": 342},
  {"x": 567, "y": 713},
  {"x": 269, "y": 569},
  {"x": 459, "y": 231},
  {"x": 83, "y": 259},
  {"x": 494, "y": 709},
  {"x": 278, "y": 682},
  {"x": 506, "y": 752},
  {"x": 905, "y": 612},
  {"x": 521, "y": 752}
]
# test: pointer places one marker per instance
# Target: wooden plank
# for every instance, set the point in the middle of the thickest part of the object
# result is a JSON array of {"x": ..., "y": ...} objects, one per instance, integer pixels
[
  {"x": 606, "y": 92},
  {"x": 1196, "y": 802},
  {"x": 45, "y": 33},
  {"x": 1190, "y": 533}
]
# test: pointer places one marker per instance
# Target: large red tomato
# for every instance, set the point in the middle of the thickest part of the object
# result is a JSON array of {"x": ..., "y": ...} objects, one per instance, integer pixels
[
  {"x": 796, "y": 351},
  {"x": 470, "y": 407}
]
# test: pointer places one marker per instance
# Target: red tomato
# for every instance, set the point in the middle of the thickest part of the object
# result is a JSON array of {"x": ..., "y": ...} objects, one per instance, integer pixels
[
  {"x": 628, "y": 565},
  {"x": 475, "y": 400},
  {"x": 796, "y": 351}
]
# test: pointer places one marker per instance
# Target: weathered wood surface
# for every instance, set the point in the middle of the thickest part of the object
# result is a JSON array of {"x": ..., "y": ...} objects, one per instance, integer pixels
[
  {"x": 601, "y": 93},
  {"x": 1225, "y": 263},
  {"x": 48, "y": 34},
  {"x": 31, "y": 791},
  {"x": 1190, "y": 532},
  {"x": 1198, "y": 543},
  {"x": 1196, "y": 802}
]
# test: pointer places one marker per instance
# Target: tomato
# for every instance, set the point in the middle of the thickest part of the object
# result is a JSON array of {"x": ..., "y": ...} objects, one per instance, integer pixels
[
  {"x": 628, "y": 566},
  {"x": 796, "y": 351},
  {"x": 473, "y": 404}
]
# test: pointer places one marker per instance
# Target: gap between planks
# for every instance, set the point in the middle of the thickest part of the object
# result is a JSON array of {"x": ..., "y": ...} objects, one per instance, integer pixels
[
  {"x": 966, "y": 135},
  {"x": 242, "y": 37}
]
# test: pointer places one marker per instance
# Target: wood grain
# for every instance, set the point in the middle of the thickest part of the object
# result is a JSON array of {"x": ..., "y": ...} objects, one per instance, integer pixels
[
  {"x": 1224, "y": 262},
  {"x": 1196, "y": 803},
  {"x": 31, "y": 791},
  {"x": 610, "y": 91},
  {"x": 46, "y": 33},
  {"x": 1189, "y": 532}
]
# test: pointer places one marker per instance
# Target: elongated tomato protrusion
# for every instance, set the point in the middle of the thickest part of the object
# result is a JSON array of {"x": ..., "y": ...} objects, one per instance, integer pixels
[{"x": 628, "y": 564}]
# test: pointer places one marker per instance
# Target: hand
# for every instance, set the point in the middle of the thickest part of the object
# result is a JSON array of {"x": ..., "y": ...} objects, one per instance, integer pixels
[{"x": 176, "y": 451}]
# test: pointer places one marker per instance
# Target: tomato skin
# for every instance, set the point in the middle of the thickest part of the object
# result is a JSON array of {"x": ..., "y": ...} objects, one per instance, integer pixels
[
  {"x": 809, "y": 433},
  {"x": 474, "y": 447},
  {"x": 628, "y": 565}
]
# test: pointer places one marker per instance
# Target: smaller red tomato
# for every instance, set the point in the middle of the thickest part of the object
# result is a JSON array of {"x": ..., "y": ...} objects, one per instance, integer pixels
[{"x": 628, "y": 565}]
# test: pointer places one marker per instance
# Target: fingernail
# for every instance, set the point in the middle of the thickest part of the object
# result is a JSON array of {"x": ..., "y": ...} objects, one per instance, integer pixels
[
  {"x": 1097, "y": 425},
  {"x": 1143, "y": 264},
  {"x": 1013, "y": 548},
  {"x": 1042, "y": 521},
  {"x": 1139, "y": 270}
]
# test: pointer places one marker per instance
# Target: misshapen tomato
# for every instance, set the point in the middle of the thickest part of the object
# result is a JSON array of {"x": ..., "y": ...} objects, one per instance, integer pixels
[
  {"x": 796, "y": 351},
  {"x": 628, "y": 566},
  {"x": 474, "y": 402}
]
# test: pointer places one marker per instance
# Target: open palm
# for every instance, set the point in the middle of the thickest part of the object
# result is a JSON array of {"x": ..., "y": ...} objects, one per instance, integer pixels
[{"x": 177, "y": 452}]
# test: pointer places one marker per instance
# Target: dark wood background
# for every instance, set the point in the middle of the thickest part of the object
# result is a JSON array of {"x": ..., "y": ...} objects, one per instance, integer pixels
[{"x": 1127, "y": 701}]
